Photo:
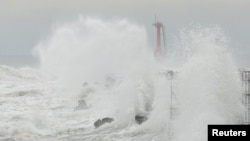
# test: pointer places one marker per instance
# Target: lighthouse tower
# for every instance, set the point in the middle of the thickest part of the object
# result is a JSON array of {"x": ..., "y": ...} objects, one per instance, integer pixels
[{"x": 160, "y": 35}]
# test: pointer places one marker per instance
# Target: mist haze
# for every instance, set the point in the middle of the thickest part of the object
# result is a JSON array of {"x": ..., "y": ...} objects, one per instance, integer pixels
[{"x": 24, "y": 23}]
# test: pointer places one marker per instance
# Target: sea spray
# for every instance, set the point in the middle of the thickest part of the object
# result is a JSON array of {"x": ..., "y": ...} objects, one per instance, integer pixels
[
  {"x": 89, "y": 51},
  {"x": 208, "y": 89},
  {"x": 206, "y": 86}
]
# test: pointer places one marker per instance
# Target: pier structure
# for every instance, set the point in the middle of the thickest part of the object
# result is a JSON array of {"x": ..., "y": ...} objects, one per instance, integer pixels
[{"x": 245, "y": 77}]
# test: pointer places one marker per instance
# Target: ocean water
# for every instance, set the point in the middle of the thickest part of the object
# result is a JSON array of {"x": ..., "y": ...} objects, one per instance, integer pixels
[{"x": 110, "y": 66}]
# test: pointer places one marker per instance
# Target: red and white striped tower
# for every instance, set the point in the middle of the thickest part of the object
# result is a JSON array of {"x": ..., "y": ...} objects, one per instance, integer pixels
[{"x": 159, "y": 51}]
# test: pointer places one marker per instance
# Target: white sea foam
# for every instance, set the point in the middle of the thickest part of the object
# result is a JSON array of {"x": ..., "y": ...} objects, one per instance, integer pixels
[{"x": 109, "y": 64}]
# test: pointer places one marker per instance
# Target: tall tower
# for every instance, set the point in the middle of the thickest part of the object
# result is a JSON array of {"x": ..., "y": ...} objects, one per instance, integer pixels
[
  {"x": 159, "y": 51},
  {"x": 246, "y": 95}
]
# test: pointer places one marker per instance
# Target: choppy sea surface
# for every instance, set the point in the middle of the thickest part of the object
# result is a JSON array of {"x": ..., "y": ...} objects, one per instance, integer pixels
[{"x": 106, "y": 65}]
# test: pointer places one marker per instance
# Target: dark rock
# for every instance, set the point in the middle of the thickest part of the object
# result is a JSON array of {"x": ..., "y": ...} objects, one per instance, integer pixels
[
  {"x": 140, "y": 118},
  {"x": 100, "y": 122},
  {"x": 107, "y": 120},
  {"x": 81, "y": 105}
]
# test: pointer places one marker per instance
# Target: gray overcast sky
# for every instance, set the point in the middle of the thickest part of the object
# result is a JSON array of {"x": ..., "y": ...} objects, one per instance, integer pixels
[{"x": 23, "y": 23}]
